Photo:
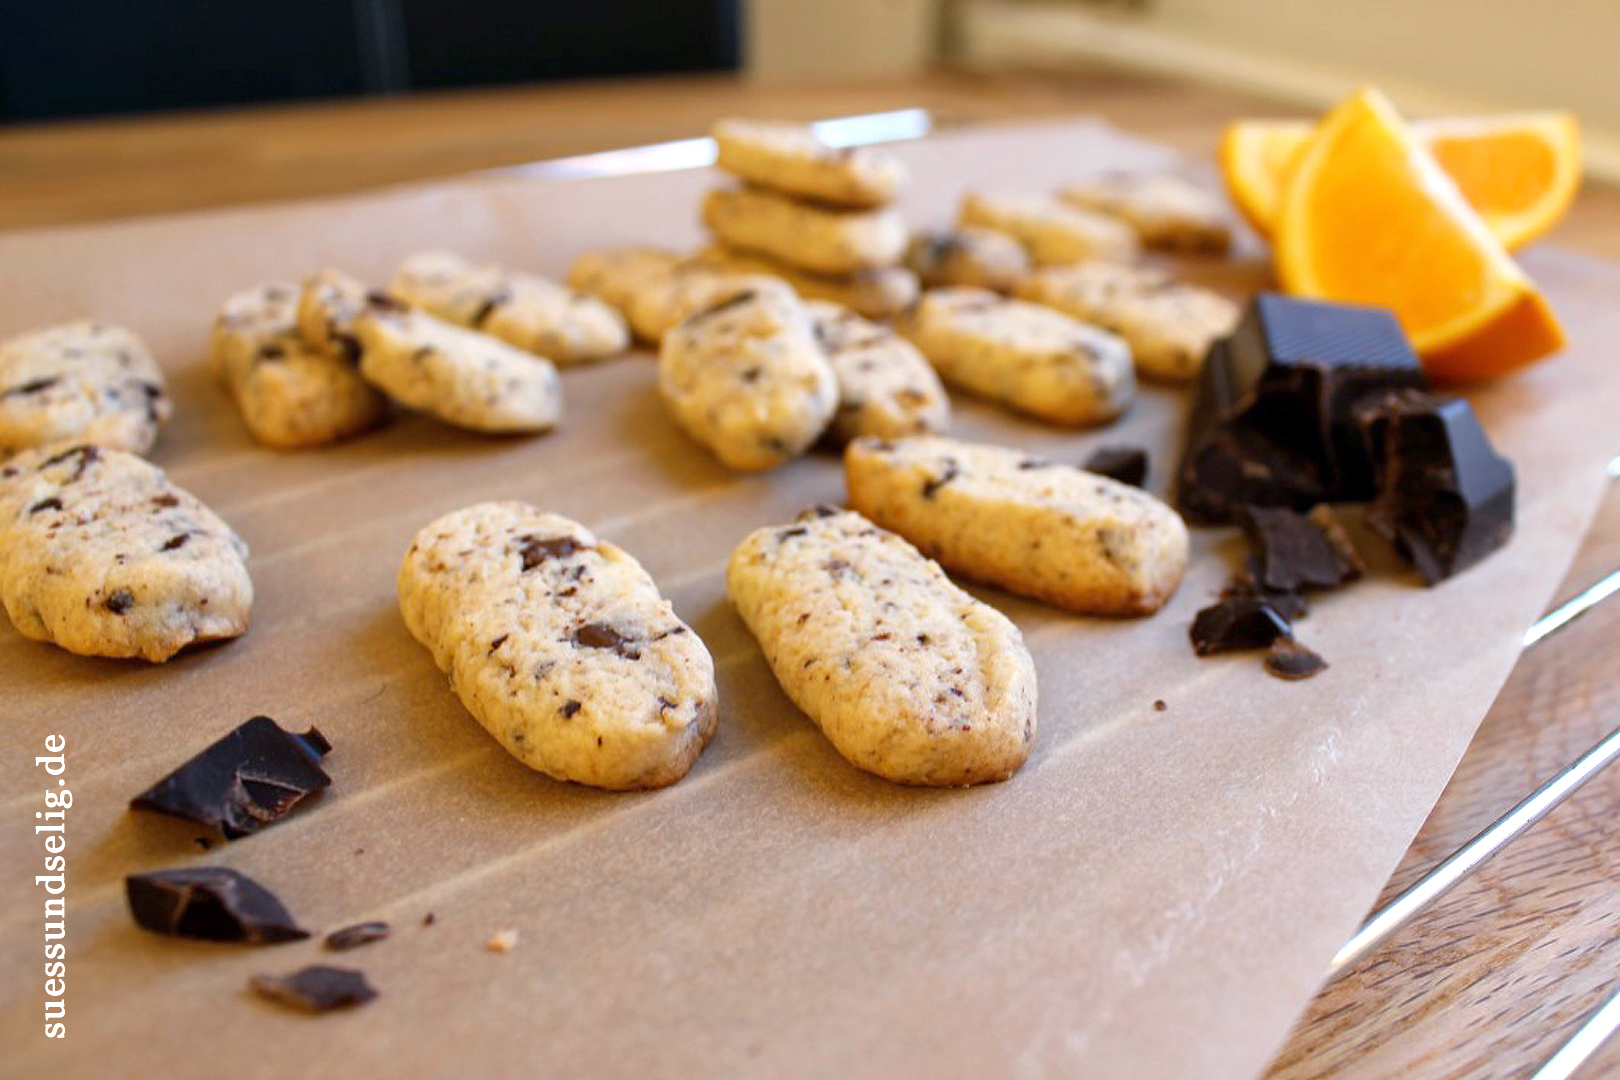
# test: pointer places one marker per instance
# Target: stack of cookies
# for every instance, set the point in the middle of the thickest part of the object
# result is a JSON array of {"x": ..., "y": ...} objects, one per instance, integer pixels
[{"x": 821, "y": 219}]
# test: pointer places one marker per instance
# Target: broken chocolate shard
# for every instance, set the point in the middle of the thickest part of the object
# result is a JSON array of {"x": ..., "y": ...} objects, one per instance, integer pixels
[
  {"x": 1445, "y": 495},
  {"x": 316, "y": 988},
  {"x": 210, "y": 903},
  {"x": 1297, "y": 551},
  {"x": 352, "y": 937},
  {"x": 1272, "y": 423},
  {"x": 1238, "y": 622},
  {"x": 1290, "y": 605},
  {"x": 250, "y": 778},
  {"x": 1127, "y": 464},
  {"x": 1288, "y": 659}
]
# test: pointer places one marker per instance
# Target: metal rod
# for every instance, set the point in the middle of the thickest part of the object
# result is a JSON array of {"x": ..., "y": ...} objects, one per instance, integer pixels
[
  {"x": 1566, "y": 612},
  {"x": 1581, "y": 1045},
  {"x": 1431, "y": 886}
]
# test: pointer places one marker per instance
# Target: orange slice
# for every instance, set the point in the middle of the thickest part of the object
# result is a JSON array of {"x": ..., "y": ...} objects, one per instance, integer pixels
[
  {"x": 1368, "y": 216},
  {"x": 1519, "y": 170}
]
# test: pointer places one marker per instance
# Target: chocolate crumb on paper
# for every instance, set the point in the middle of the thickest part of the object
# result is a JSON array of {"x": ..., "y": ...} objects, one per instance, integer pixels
[
  {"x": 1288, "y": 659},
  {"x": 315, "y": 989},
  {"x": 352, "y": 937}
]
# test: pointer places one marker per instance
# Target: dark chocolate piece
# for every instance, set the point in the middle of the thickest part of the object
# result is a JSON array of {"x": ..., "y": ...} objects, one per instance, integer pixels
[
  {"x": 1288, "y": 659},
  {"x": 249, "y": 779},
  {"x": 352, "y": 937},
  {"x": 1127, "y": 464},
  {"x": 1272, "y": 421},
  {"x": 316, "y": 988},
  {"x": 1299, "y": 551},
  {"x": 211, "y": 903},
  {"x": 1238, "y": 622},
  {"x": 1290, "y": 605},
  {"x": 1445, "y": 495}
]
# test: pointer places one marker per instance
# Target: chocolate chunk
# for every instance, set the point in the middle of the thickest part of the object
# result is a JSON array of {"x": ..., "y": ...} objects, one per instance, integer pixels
[
  {"x": 273, "y": 350},
  {"x": 165, "y": 501},
  {"x": 725, "y": 305},
  {"x": 1299, "y": 551},
  {"x": 502, "y": 295},
  {"x": 211, "y": 903},
  {"x": 569, "y": 708},
  {"x": 932, "y": 485},
  {"x": 381, "y": 301},
  {"x": 40, "y": 507},
  {"x": 352, "y": 937},
  {"x": 316, "y": 988},
  {"x": 85, "y": 454},
  {"x": 536, "y": 550},
  {"x": 1127, "y": 464},
  {"x": 119, "y": 601},
  {"x": 1272, "y": 423},
  {"x": 1290, "y": 605},
  {"x": 1445, "y": 495},
  {"x": 1288, "y": 659},
  {"x": 250, "y": 778},
  {"x": 603, "y": 636},
  {"x": 32, "y": 387},
  {"x": 174, "y": 543},
  {"x": 1238, "y": 622}
]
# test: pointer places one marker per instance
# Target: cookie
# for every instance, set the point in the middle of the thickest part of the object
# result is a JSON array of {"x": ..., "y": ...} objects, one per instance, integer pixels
[
  {"x": 329, "y": 303},
  {"x": 1169, "y": 325},
  {"x": 1167, "y": 212},
  {"x": 101, "y": 554},
  {"x": 531, "y": 312},
  {"x": 975, "y": 257},
  {"x": 885, "y": 386},
  {"x": 290, "y": 394},
  {"x": 461, "y": 376},
  {"x": 789, "y": 158},
  {"x": 560, "y": 645},
  {"x": 1054, "y": 232},
  {"x": 879, "y": 293},
  {"x": 748, "y": 379},
  {"x": 1025, "y": 356},
  {"x": 82, "y": 381},
  {"x": 1054, "y": 532},
  {"x": 908, "y": 676},
  {"x": 821, "y": 239},
  {"x": 661, "y": 306},
  {"x": 617, "y": 275}
]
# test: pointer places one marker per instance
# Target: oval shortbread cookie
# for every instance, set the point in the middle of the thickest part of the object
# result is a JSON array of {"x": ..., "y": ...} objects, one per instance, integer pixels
[
  {"x": 822, "y": 239},
  {"x": 531, "y": 312},
  {"x": 1169, "y": 325},
  {"x": 885, "y": 386},
  {"x": 83, "y": 381},
  {"x": 560, "y": 645},
  {"x": 788, "y": 157},
  {"x": 1054, "y": 232},
  {"x": 461, "y": 376},
  {"x": 101, "y": 554},
  {"x": 616, "y": 275},
  {"x": 1054, "y": 532},
  {"x": 1166, "y": 211},
  {"x": 967, "y": 255},
  {"x": 1023, "y": 355},
  {"x": 290, "y": 393},
  {"x": 879, "y": 293},
  {"x": 748, "y": 379},
  {"x": 908, "y": 676}
]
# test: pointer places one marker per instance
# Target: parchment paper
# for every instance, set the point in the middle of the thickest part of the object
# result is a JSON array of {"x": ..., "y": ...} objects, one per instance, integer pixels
[{"x": 1156, "y": 894}]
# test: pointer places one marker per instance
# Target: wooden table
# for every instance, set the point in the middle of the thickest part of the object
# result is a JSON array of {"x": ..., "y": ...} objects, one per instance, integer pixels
[{"x": 1488, "y": 983}]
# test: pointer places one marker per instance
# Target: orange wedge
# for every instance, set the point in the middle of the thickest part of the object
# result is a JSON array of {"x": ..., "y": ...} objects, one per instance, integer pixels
[
  {"x": 1368, "y": 216},
  {"x": 1519, "y": 170}
]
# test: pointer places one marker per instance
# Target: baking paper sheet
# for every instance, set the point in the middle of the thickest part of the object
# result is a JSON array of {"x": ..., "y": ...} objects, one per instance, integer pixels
[{"x": 1156, "y": 894}]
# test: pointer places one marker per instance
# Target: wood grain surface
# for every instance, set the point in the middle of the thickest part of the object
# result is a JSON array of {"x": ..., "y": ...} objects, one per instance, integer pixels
[{"x": 1490, "y": 982}]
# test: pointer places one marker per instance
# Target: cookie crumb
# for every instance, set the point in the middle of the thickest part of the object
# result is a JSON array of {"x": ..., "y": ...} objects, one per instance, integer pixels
[
  {"x": 1159, "y": 705},
  {"x": 427, "y": 920},
  {"x": 502, "y": 941}
]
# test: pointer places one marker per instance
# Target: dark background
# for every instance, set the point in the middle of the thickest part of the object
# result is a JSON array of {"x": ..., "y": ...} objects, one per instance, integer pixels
[{"x": 100, "y": 57}]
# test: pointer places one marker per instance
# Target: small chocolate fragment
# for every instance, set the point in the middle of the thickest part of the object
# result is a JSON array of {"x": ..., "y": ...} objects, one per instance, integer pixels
[
  {"x": 352, "y": 937},
  {"x": 1238, "y": 622},
  {"x": 1288, "y": 659},
  {"x": 1127, "y": 464},
  {"x": 1445, "y": 495},
  {"x": 1272, "y": 423},
  {"x": 316, "y": 988},
  {"x": 1299, "y": 551},
  {"x": 211, "y": 903},
  {"x": 249, "y": 779}
]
